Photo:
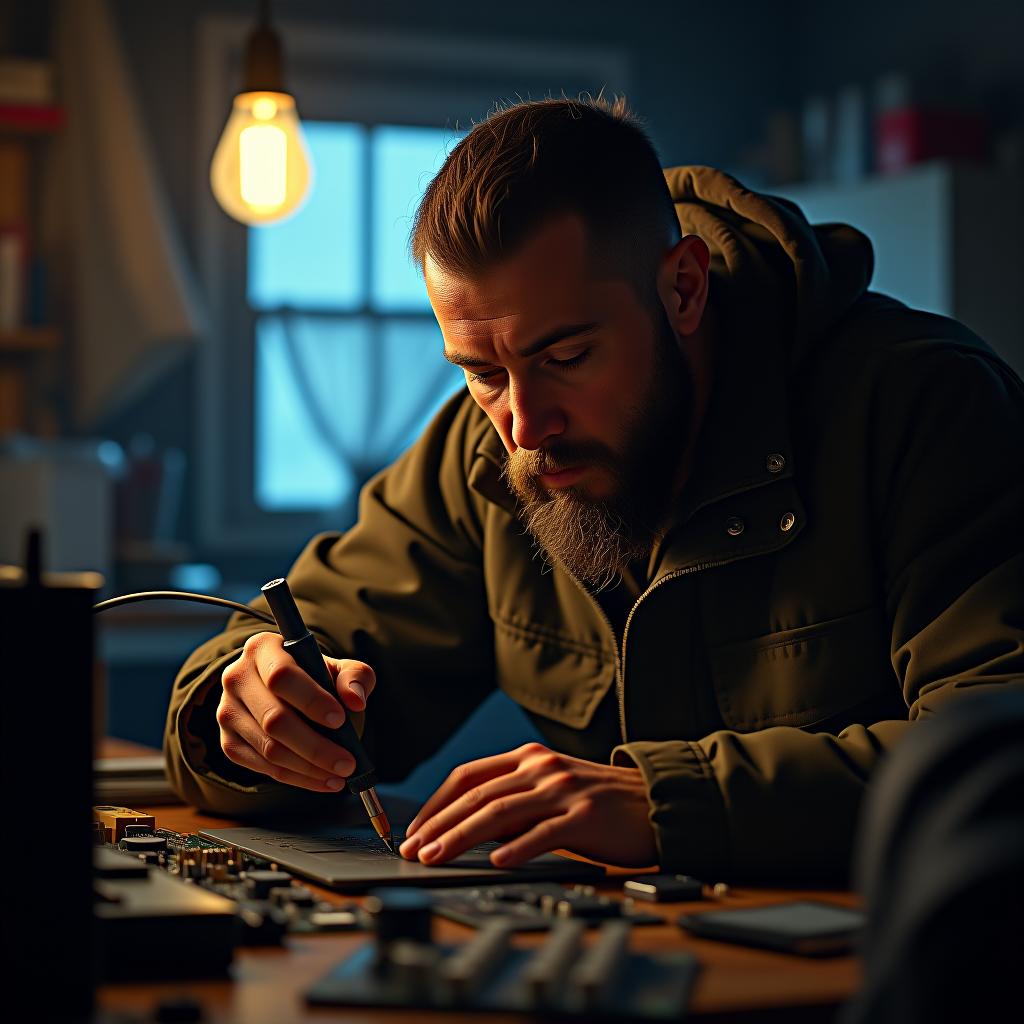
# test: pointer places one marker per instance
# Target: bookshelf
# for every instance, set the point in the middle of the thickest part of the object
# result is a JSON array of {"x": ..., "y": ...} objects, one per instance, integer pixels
[{"x": 29, "y": 350}]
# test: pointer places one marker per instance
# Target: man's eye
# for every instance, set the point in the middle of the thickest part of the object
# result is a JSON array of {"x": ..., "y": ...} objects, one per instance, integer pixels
[
  {"x": 561, "y": 364},
  {"x": 482, "y": 378},
  {"x": 568, "y": 364}
]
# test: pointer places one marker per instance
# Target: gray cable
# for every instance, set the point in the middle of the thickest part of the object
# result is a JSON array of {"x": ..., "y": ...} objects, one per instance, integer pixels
[{"x": 182, "y": 595}]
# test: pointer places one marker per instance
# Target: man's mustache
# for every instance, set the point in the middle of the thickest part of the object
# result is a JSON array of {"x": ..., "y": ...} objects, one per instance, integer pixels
[{"x": 554, "y": 458}]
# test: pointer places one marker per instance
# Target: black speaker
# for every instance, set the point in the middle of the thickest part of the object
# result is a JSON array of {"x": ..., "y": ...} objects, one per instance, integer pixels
[{"x": 47, "y": 680}]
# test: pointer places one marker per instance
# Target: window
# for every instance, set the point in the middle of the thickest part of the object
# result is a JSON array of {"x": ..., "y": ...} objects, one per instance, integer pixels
[
  {"x": 348, "y": 356},
  {"x": 324, "y": 359}
]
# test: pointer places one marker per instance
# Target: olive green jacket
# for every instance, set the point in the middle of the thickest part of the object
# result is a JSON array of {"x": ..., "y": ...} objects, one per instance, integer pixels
[{"x": 845, "y": 558}]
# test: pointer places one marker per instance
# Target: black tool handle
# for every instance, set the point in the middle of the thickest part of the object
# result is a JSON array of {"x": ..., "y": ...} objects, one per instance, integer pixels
[{"x": 302, "y": 646}]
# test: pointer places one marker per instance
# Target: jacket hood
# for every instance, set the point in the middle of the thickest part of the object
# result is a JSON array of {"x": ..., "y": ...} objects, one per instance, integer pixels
[{"x": 780, "y": 269}]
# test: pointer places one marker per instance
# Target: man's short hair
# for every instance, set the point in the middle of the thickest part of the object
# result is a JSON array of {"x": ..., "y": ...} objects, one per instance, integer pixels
[{"x": 531, "y": 162}]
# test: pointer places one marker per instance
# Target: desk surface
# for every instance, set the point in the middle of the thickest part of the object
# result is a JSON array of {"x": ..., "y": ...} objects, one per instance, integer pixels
[{"x": 735, "y": 983}]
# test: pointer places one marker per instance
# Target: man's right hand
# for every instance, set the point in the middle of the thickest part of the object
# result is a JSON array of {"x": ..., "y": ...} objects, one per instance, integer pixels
[{"x": 261, "y": 729}]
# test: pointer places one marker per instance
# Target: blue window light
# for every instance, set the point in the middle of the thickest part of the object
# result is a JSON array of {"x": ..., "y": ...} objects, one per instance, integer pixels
[{"x": 347, "y": 386}]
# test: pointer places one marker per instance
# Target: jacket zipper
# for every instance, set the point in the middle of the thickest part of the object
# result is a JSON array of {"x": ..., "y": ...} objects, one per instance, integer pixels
[
  {"x": 620, "y": 658},
  {"x": 699, "y": 567}
]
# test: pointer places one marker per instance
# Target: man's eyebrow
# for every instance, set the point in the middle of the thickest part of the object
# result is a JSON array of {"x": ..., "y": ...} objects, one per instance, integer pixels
[{"x": 553, "y": 337}]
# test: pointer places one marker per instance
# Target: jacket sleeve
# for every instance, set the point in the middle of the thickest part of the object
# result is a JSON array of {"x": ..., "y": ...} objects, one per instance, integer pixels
[
  {"x": 947, "y": 500},
  {"x": 402, "y": 591}
]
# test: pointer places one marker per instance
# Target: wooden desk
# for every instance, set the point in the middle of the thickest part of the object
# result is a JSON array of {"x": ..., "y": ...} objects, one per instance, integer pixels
[{"x": 734, "y": 984}]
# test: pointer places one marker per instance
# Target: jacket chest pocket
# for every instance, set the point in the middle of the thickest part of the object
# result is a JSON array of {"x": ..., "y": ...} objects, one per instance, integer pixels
[{"x": 802, "y": 676}]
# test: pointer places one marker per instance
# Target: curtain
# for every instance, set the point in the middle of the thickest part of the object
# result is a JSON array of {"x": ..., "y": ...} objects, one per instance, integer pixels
[{"x": 134, "y": 306}]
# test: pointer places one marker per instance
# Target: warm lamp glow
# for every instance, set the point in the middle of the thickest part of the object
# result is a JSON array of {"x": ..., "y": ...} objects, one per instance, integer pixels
[
  {"x": 260, "y": 171},
  {"x": 263, "y": 154},
  {"x": 263, "y": 108}
]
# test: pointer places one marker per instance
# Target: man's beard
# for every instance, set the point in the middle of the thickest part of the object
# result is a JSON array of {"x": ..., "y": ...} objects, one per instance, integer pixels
[{"x": 597, "y": 540}]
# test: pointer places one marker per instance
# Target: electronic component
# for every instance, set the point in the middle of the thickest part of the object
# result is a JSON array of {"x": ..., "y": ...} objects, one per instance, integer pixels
[
  {"x": 399, "y": 914},
  {"x": 149, "y": 925},
  {"x": 462, "y": 974},
  {"x": 259, "y": 883},
  {"x": 590, "y": 908},
  {"x": 562, "y": 977},
  {"x": 533, "y": 906},
  {"x": 544, "y": 975},
  {"x": 185, "y": 840},
  {"x": 664, "y": 888},
  {"x": 117, "y": 818},
  {"x": 337, "y": 919},
  {"x": 267, "y": 902},
  {"x": 291, "y": 896},
  {"x": 262, "y": 925},
  {"x": 110, "y": 864},
  {"x": 598, "y": 970},
  {"x": 143, "y": 844}
]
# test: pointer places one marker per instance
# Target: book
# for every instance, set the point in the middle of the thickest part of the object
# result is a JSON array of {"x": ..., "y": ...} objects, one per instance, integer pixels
[{"x": 26, "y": 81}]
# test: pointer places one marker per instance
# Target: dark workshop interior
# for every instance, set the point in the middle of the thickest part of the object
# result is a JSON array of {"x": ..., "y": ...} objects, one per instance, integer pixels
[{"x": 187, "y": 399}]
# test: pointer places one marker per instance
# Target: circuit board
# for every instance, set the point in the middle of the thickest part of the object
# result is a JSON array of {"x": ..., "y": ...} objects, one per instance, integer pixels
[{"x": 269, "y": 903}]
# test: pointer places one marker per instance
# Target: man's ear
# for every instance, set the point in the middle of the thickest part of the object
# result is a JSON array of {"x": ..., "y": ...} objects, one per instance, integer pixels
[{"x": 683, "y": 283}]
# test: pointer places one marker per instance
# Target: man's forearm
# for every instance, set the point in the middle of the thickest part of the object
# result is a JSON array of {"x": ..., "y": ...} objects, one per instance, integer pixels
[{"x": 779, "y": 803}]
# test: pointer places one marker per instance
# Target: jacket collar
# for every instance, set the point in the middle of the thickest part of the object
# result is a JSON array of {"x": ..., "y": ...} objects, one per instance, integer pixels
[
  {"x": 742, "y": 487},
  {"x": 747, "y": 422},
  {"x": 485, "y": 470}
]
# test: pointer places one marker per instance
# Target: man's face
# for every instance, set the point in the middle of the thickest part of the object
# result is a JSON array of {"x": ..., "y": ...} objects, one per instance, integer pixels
[{"x": 587, "y": 388}]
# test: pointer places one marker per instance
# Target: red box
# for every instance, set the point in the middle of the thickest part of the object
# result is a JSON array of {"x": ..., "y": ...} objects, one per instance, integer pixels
[{"x": 911, "y": 135}]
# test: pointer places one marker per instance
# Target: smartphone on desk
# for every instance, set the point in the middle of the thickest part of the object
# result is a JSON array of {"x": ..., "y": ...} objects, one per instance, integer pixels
[{"x": 806, "y": 927}]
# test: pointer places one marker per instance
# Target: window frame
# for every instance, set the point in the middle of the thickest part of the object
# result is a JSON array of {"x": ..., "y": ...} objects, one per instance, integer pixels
[{"x": 365, "y": 77}]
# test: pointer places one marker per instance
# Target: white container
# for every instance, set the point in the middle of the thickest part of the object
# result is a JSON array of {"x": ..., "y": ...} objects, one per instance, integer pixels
[{"x": 66, "y": 489}]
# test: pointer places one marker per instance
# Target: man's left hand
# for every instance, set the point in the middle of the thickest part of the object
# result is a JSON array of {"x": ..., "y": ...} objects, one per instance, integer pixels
[{"x": 548, "y": 801}]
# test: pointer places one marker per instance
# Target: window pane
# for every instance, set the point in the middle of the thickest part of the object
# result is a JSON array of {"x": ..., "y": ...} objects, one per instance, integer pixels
[
  {"x": 296, "y": 466},
  {"x": 338, "y": 399},
  {"x": 315, "y": 258},
  {"x": 417, "y": 380},
  {"x": 403, "y": 161}
]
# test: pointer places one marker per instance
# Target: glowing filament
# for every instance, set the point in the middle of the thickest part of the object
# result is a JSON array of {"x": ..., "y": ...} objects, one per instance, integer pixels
[{"x": 263, "y": 165}]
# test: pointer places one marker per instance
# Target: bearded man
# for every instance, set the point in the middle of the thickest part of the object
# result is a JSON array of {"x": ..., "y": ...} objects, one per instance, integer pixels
[{"x": 721, "y": 520}]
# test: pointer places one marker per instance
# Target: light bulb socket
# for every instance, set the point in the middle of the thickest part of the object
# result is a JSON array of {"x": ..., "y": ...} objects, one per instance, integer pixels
[{"x": 264, "y": 61}]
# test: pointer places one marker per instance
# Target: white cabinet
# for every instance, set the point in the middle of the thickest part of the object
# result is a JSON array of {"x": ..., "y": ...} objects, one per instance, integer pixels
[{"x": 948, "y": 238}]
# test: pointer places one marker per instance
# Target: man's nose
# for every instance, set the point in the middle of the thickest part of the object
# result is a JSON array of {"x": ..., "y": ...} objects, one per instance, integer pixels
[{"x": 534, "y": 418}]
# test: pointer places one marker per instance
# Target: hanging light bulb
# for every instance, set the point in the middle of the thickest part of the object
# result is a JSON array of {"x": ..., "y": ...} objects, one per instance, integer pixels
[{"x": 261, "y": 171}]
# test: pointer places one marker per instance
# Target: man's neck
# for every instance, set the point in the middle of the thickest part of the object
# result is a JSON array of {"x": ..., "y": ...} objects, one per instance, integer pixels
[{"x": 700, "y": 351}]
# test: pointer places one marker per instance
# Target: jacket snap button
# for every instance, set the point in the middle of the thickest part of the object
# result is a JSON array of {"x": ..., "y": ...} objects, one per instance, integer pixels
[
  {"x": 734, "y": 526},
  {"x": 787, "y": 521},
  {"x": 776, "y": 463}
]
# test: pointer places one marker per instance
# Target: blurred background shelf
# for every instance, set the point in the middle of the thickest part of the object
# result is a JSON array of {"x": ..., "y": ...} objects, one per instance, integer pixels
[
  {"x": 28, "y": 340},
  {"x": 30, "y": 119},
  {"x": 26, "y": 376}
]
